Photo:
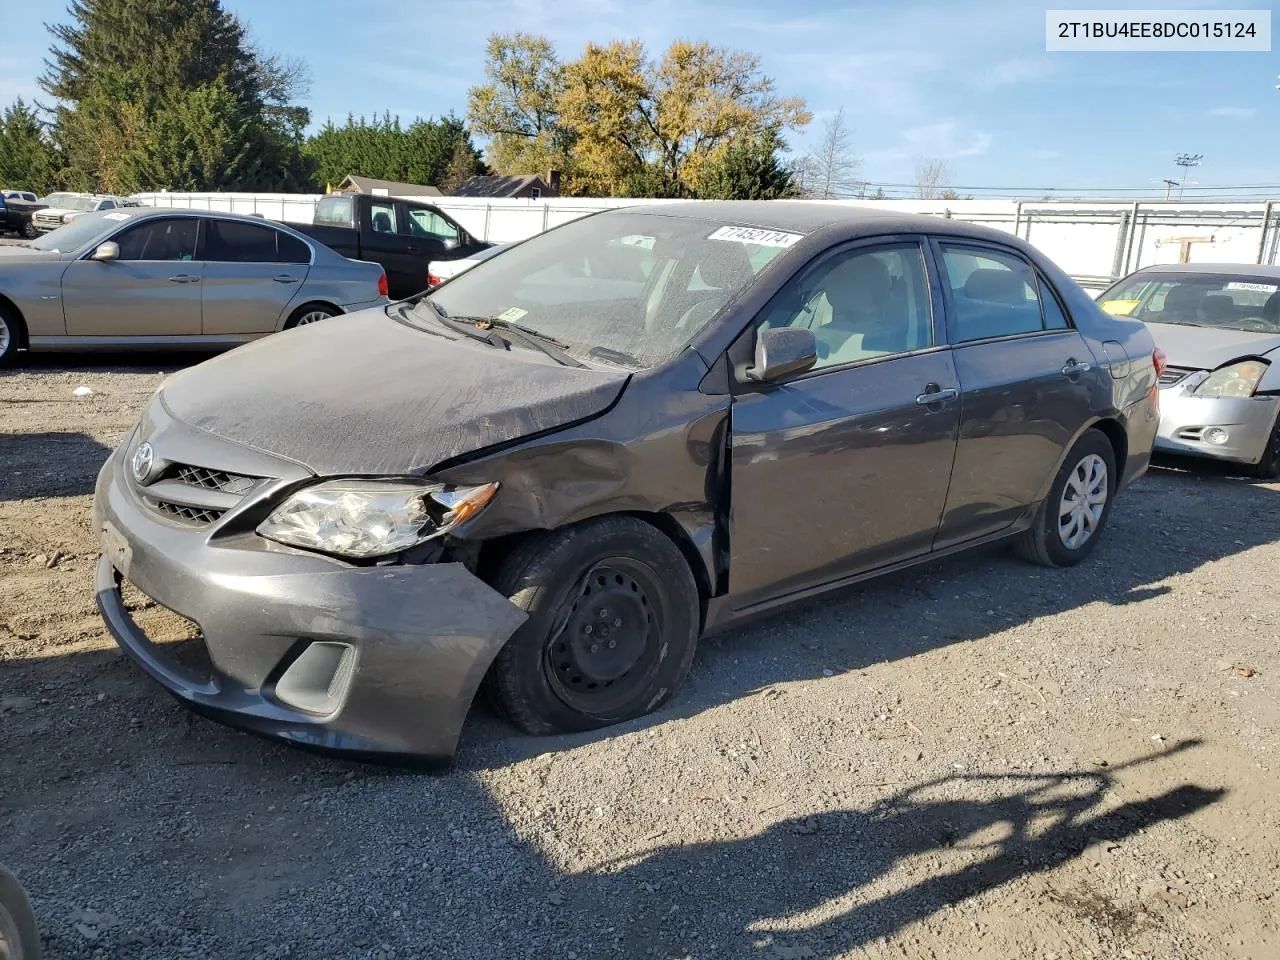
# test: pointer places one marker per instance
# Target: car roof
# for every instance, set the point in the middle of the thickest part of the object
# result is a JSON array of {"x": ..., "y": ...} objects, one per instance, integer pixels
[
  {"x": 1270, "y": 271},
  {"x": 810, "y": 216}
]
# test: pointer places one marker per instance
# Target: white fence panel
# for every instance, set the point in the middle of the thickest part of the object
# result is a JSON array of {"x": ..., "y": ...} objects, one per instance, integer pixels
[{"x": 1092, "y": 241}]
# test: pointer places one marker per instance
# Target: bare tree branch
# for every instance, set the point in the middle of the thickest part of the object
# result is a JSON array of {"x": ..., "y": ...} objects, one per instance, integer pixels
[
  {"x": 932, "y": 176},
  {"x": 831, "y": 171}
]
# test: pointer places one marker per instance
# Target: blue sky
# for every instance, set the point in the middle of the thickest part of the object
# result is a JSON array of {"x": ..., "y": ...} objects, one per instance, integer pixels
[{"x": 969, "y": 81}]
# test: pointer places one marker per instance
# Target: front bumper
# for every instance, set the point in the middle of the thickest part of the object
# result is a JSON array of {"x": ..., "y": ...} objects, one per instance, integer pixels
[
  {"x": 1184, "y": 418},
  {"x": 372, "y": 661}
]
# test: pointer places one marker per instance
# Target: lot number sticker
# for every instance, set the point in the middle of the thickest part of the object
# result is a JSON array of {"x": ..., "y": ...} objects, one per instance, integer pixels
[
  {"x": 115, "y": 216},
  {"x": 763, "y": 238},
  {"x": 1257, "y": 287}
]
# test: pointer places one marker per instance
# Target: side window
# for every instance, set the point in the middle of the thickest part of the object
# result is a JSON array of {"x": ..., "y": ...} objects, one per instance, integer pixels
[
  {"x": 995, "y": 294},
  {"x": 428, "y": 223},
  {"x": 1054, "y": 317},
  {"x": 230, "y": 241},
  {"x": 291, "y": 249},
  {"x": 382, "y": 218},
  {"x": 107, "y": 205},
  {"x": 160, "y": 240},
  {"x": 862, "y": 303}
]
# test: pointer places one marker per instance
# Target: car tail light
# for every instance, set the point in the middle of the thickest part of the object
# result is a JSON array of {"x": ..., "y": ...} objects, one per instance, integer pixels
[
  {"x": 1160, "y": 360},
  {"x": 383, "y": 289},
  {"x": 433, "y": 281}
]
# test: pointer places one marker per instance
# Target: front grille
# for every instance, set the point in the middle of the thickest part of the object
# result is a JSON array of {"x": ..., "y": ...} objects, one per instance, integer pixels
[
  {"x": 196, "y": 516},
  {"x": 233, "y": 483},
  {"x": 42, "y": 221},
  {"x": 1174, "y": 375}
]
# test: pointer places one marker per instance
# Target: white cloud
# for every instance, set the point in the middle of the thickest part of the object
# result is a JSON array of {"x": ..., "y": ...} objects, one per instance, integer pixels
[
  {"x": 1016, "y": 72},
  {"x": 944, "y": 138},
  {"x": 1234, "y": 113}
]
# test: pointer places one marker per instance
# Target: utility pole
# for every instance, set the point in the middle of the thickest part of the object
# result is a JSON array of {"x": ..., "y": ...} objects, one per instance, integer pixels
[
  {"x": 1186, "y": 161},
  {"x": 1168, "y": 188}
]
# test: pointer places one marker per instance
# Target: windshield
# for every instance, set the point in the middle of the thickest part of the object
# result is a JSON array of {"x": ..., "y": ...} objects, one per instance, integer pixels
[
  {"x": 67, "y": 201},
  {"x": 80, "y": 232},
  {"x": 634, "y": 287},
  {"x": 1233, "y": 302}
]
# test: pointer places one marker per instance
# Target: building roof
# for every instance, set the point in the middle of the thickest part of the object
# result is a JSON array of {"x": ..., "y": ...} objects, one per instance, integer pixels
[
  {"x": 499, "y": 186},
  {"x": 390, "y": 188}
]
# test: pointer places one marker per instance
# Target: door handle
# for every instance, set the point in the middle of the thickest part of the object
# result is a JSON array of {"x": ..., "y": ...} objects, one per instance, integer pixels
[
  {"x": 184, "y": 278},
  {"x": 937, "y": 395},
  {"x": 285, "y": 278},
  {"x": 1074, "y": 367}
]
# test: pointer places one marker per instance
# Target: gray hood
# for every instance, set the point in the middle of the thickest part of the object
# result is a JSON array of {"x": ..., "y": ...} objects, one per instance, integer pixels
[
  {"x": 1207, "y": 348},
  {"x": 366, "y": 394},
  {"x": 12, "y": 253}
]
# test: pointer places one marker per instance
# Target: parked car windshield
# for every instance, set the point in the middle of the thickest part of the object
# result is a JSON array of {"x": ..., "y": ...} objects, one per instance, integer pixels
[
  {"x": 67, "y": 201},
  {"x": 80, "y": 232},
  {"x": 1234, "y": 302},
  {"x": 631, "y": 287}
]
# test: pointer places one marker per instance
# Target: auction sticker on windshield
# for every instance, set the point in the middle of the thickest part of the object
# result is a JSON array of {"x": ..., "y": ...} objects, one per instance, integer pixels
[
  {"x": 764, "y": 238},
  {"x": 512, "y": 314},
  {"x": 1256, "y": 287},
  {"x": 115, "y": 216}
]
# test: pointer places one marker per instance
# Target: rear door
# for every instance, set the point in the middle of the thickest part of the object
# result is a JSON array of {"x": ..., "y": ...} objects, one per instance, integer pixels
[
  {"x": 1025, "y": 385},
  {"x": 251, "y": 273},
  {"x": 152, "y": 290}
]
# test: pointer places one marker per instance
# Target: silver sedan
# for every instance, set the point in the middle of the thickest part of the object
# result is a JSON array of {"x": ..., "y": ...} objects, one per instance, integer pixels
[
  {"x": 159, "y": 279},
  {"x": 1219, "y": 326}
]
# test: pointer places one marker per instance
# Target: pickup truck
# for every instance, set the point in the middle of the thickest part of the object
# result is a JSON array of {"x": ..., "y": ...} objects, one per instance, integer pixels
[
  {"x": 16, "y": 208},
  {"x": 404, "y": 236}
]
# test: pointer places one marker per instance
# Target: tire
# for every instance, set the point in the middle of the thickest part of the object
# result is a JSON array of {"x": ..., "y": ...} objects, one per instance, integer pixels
[
  {"x": 571, "y": 667},
  {"x": 29, "y": 230},
  {"x": 1268, "y": 468},
  {"x": 19, "y": 938},
  {"x": 1051, "y": 543},
  {"x": 309, "y": 313},
  {"x": 11, "y": 332}
]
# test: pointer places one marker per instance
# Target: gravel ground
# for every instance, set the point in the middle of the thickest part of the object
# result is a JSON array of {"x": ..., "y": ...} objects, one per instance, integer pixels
[{"x": 974, "y": 759}]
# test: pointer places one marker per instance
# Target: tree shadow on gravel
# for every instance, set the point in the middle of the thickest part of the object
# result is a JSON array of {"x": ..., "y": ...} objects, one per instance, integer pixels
[
  {"x": 1168, "y": 524},
  {"x": 49, "y": 464},
  {"x": 121, "y": 361}
]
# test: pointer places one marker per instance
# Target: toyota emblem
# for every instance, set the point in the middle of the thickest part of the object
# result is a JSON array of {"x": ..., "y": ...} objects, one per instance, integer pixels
[{"x": 143, "y": 458}]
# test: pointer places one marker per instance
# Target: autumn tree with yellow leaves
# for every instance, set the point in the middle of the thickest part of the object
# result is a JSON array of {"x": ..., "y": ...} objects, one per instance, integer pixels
[{"x": 700, "y": 121}]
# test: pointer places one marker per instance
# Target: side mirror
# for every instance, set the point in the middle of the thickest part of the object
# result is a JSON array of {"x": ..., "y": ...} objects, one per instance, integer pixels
[
  {"x": 782, "y": 351},
  {"x": 106, "y": 252}
]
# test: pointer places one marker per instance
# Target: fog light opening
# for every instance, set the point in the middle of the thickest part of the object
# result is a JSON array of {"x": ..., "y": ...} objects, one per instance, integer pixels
[{"x": 1216, "y": 435}]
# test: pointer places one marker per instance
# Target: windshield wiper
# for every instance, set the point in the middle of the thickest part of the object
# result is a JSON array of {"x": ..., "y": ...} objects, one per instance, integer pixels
[
  {"x": 615, "y": 356},
  {"x": 449, "y": 323},
  {"x": 545, "y": 343}
]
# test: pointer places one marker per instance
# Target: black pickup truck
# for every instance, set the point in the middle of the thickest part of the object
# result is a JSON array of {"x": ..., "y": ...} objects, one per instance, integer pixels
[
  {"x": 16, "y": 208},
  {"x": 404, "y": 236}
]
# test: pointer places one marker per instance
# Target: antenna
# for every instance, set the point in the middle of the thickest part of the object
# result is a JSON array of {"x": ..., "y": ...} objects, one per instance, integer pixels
[{"x": 1186, "y": 161}]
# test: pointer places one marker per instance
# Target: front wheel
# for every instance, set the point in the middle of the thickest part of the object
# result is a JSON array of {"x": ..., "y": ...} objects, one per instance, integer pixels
[
  {"x": 1268, "y": 467},
  {"x": 613, "y": 624},
  {"x": 29, "y": 230},
  {"x": 1071, "y": 518},
  {"x": 10, "y": 339},
  {"x": 19, "y": 938}
]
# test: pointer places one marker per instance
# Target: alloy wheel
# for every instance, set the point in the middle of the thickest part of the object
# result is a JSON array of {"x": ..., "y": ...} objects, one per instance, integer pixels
[
  {"x": 5, "y": 336},
  {"x": 312, "y": 316},
  {"x": 1083, "y": 501}
]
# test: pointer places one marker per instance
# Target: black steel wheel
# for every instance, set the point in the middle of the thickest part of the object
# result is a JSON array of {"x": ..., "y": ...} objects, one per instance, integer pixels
[
  {"x": 19, "y": 938},
  {"x": 613, "y": 623}
]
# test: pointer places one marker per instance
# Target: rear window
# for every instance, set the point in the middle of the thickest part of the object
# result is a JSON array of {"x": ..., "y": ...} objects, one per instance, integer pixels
[
  {"x": 334, "y": 212},
  {"x": 230, "y": 241}
]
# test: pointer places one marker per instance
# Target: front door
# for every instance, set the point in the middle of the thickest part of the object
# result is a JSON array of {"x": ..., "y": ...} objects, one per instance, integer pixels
[
  {"x": 1025, "y": 387},
  {"x": 251, "y": 273},
  {"x": 152, "y": 290},
  {"x": 845, "y": 468}
]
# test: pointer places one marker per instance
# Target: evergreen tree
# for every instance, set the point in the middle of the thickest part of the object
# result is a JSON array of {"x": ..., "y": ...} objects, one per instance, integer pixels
[
  {"x": 750, "y": 170},
  {"x": 464, "y": 163},
  {"x": 384, "y": 149},
  {"x": 171, "y": 94},
  {"x": 27, "y": 158}
]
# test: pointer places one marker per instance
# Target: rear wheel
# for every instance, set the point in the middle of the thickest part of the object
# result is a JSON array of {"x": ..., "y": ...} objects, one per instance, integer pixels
[
  {"x": 1073, "y": 515},
  {"x": 309, "y": 313},
  {"x": 1268, "y": 468},
  {"x": 10, "y": 335},
  {"x": 29, "y": 229},
  {"x": 613, "y": 624},
  {"x": 19, "y": 938}
]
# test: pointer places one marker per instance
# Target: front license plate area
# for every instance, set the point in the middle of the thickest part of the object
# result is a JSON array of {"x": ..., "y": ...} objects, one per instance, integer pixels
[{"x": 116, "y": 547}]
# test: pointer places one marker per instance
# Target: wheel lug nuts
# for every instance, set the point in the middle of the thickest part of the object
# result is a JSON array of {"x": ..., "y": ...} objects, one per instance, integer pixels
[
  {"x": 612, "y": 644},
  {"x": 603, "y": 612},
  {"x": 595, "y": 647},
  {"x": 588, "y": 629},
  {"x": 617, "y": 622}
]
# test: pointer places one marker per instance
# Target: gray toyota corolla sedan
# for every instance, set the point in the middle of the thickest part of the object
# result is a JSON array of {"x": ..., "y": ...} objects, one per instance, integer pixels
[
  {"x": 162, "y": 279},
  {"x": 1219, "y": 324},
  {"x": 560, "y": 468}
]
